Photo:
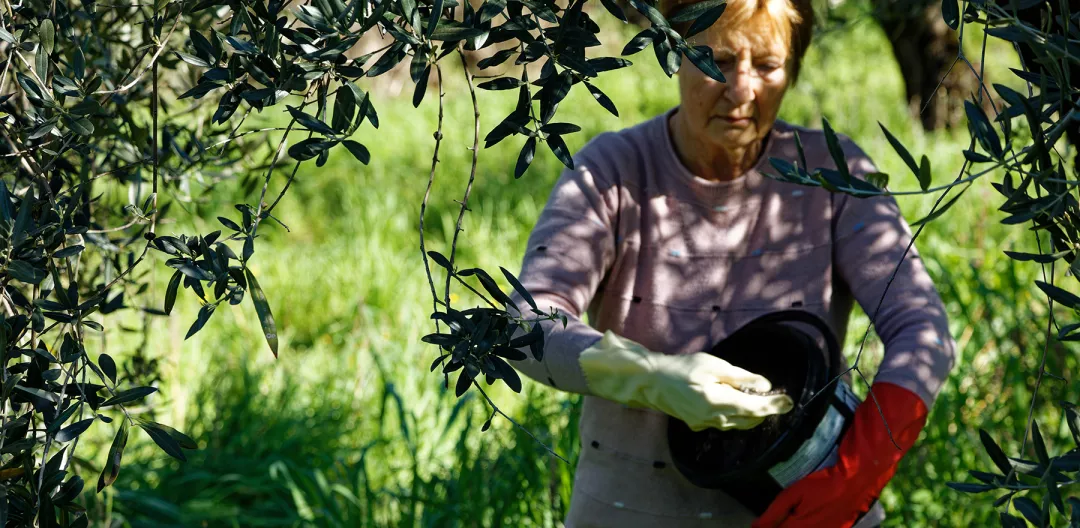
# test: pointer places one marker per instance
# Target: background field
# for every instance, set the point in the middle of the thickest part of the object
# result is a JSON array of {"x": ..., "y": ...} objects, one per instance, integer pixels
[{"x": 348, "y": 427}]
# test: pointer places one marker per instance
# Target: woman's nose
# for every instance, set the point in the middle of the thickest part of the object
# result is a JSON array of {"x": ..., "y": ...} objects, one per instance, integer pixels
[{"x": 739, "y": 88}]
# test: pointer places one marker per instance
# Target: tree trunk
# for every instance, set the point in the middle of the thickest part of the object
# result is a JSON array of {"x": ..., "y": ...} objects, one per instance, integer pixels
[{"x": 926, "y": 48}]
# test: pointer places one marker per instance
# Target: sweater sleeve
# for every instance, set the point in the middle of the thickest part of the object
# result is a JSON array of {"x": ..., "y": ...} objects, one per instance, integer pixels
[
  {"x": 870, "y": 238},
  {"x": 569, "y": 252}
]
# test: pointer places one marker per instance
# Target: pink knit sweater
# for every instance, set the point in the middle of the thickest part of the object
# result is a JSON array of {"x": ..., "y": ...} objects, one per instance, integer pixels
[{"x": 646, "y": 249}]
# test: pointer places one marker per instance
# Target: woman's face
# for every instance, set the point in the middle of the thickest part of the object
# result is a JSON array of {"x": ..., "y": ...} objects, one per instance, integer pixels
[{"x": 735, "y": 114}]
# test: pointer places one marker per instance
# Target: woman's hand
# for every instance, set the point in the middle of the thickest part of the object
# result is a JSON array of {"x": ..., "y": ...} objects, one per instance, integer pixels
[
  {"x": 837, "y": 496},
  {"x": 700, "y": 389}
]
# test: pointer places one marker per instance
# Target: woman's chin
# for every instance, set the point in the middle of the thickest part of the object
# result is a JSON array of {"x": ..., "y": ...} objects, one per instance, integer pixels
[{"x": 731, "y": 137}]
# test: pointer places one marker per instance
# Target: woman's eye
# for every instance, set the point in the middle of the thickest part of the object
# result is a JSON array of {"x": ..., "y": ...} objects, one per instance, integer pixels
[{"x": 768, "y": 66}]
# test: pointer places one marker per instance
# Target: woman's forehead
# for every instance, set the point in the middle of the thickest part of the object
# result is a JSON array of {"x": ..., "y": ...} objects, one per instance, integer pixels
[
  {"x": 730, "y": 41},
  {"x": 761, "y": 33}
]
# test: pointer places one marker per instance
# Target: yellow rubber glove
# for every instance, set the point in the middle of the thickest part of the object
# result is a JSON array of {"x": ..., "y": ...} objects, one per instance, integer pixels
[{"x": 700, "y": 389}]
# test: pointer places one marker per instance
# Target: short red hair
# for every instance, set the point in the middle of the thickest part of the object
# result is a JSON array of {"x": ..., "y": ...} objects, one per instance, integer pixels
[{"x": 789, "y": 21}]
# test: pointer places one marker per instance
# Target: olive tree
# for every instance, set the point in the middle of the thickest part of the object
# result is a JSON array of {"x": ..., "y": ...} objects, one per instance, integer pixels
[{"x": 114, "y": 115}]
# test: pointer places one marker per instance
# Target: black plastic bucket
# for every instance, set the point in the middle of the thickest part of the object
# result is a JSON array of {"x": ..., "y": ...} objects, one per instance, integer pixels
[{"x": 754, "y": 465}]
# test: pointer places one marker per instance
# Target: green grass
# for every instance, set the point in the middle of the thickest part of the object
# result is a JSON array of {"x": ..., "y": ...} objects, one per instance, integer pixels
[{"x": 349, "y": 428}]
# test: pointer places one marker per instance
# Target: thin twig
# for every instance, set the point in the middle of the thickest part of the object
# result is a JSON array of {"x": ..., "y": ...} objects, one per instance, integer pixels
[
  {"x": 427, "y": 194},
  {"x": 472, "y": 170},
  {"x": 519, "y": 426}
]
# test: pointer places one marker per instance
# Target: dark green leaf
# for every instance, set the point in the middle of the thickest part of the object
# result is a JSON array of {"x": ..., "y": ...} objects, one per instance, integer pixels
[
  {"x": 310, "y": 122},
  {"x": 950, "y": 12},
  {"x": 982, "y": 129},
  {"x": 439, "y": 361},
  {"x": 650, "y": 12},
  {"x": 358, "y": 151},
  {"x": 1009, "y": 33},
  {"x": 41, "y": 65},
  {"x": 602, "y": 99},
  {"x": 388, "y": 60},
  {"x": 925, "y": 173},
  {"x": 33, "y": 91},
  {"x": 108, "y": 366},
  {"x": 167, "y": 443},
  {"x": 1073, "y": 418},
  {"x": 498, "y": 58},
  {"x": 81, "y": 126},
  {"x": 694, "y": 11},
  {"x": 552, "y": 94},
  {"x": 901, "y": 150},
  {"x": 189, "y": 268},
  {"x": 970, "y": 488},
  {"x": 309, "y": 148},
  {"x": 836, "y": 151},
  {"x": 74, "y": 430},
  {"x": 191, "y": 59},
  {"x": 129, "y": 395},
  {"x": 1059, "y": 295},
  {"x": 262, "y": 308},
  {"x": 463, "y": 382},
  {"x": 441, "y": 339},
  {"x": 701, "y": 56},
  {"x": 24, "y": 271},
  {"x": 668, "y": 58},
  {"x": 512, "y": 354},
  {"x": 344, "y": 110},
  {"x": 203, "y": 48},
  {"x": 493, "y": 289},
  {"x": 1052, "y": 488},
  {"x": 560, "y": 128},
  {"x": 1041, "y": 258},
  {"x": 242, "y": 47},
  {"x": 449, "y": 30},
  {"x": 507, "y": 373},
  {"x": 995, "y": 452},
  {"x": 421, "y": 88},
  {"x": 1031, "y": 511},
  {"x": 558, "y": 147},
  {"x": 440, "y": 260},
  {"x": 1040, "y": 445},
  {"x": 204, "y": 315},
  {"x": 112, "y": 462},
  {"x": 47, "y": 33},
  {"x": 614, "y": 9},
  {"x": 603, "y": 64},
  {"x": 1011, "y": 521},
  {"x": 502, "y": 83},
  {"x": 525, "y": 157},
  {"x": 707, "y": 19},
  {"x": 433, "y": 20},
  {"x": 170, "y": 292},
  {"x": 69, "y": 251},
  {"x": 540, "y": 9},
  {"x": 640, "y": 41},
  {"x": 975, "y": 157},
  {"x": 182, "y": 439},
  {"x": 518, "y": 287}
]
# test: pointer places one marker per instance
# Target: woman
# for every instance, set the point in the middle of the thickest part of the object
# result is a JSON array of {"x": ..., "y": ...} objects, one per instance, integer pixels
[{"x": 668, "y": 235}]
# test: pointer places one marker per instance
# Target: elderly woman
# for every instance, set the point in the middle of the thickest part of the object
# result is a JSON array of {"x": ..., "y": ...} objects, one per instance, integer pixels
[{"x": 669, "y": 236}]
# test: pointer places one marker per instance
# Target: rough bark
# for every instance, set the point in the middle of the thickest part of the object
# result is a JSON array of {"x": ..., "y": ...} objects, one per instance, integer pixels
[{"x": 925, "y": 49}]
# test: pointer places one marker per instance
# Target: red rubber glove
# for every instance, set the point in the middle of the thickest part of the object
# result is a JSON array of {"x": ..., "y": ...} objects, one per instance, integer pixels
[{"x": 837, "y": 496}]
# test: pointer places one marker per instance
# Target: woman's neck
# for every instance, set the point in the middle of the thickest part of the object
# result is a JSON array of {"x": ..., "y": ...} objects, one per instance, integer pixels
[{"x": 709, "y": 161}]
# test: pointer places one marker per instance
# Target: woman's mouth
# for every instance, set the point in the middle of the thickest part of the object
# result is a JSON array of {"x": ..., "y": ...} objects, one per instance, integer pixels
[{"x": 737, "y": 121}]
